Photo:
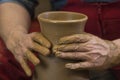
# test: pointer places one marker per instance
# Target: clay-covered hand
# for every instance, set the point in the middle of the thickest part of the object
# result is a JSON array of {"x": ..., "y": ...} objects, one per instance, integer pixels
[
  {"x": 22, "y": 44},
  {"x": 90, "y": 52}
]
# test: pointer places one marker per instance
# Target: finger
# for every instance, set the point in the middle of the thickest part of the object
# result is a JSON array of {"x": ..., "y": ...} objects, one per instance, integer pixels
[
  {"x": 38, "y": 37},
  {"x": 76, "y": 38},
  {"x": 72, "y": 47},
  {"x": 80, "y": 65},
  {"x": 41, "y": 49},
  {"x": 24, "y": 66},
  {"x": 31, "y": 57},
  {"x": 73, "y": 55}
]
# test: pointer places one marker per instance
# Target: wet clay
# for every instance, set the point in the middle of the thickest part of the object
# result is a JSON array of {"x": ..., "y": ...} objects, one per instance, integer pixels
[{"x": 55, "y": 25}]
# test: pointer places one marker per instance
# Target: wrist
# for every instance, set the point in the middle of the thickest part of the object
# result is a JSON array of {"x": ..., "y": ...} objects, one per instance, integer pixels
[
  {"x": 13, "y": 33},
  {"x": 116, "y": 52},
  {"x": 117, "y": 43}
]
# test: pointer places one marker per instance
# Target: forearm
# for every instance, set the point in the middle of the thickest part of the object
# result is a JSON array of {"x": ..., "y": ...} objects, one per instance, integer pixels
[{"x": 13, "y": 19}]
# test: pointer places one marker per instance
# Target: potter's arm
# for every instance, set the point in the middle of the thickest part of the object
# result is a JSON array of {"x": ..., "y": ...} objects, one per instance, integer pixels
[
  {"x": 13, "y": 19},
  {"x": 14, "y": 24}
]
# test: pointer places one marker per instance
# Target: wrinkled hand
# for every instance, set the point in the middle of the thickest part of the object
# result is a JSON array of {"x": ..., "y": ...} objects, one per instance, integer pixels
[
  {"x": 90, "y": 51},
  {"x": 21, "y": 45}
]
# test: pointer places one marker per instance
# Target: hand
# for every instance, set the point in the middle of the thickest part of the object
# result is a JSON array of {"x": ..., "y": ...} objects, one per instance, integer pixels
[
  {"x": 22, "y": 44},
  {"x": 90, "y": 51}
]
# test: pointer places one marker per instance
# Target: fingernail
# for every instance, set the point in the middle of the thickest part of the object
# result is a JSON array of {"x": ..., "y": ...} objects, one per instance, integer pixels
[
  {"x": 29, "y": 73},
  {"x": 46, "y": 52},
  {"x": 58, "y": 55},
  {"x": 68, "y": 66},
  {"x": 54, "y": 50},
  {"x": 48, "y": 45},
  {"x": 36, "y": 62}
]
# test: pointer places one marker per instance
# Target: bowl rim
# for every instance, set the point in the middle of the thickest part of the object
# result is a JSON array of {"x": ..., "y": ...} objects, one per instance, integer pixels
[{"x": 60, "y": 21}]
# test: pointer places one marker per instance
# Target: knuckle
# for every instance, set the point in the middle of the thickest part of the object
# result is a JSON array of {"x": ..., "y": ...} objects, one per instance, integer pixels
[{"x": 76, "y": 55}]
